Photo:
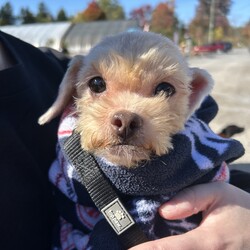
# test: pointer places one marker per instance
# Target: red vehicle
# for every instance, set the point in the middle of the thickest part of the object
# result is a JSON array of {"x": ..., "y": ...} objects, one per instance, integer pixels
[{"x": 212, "y": 47}]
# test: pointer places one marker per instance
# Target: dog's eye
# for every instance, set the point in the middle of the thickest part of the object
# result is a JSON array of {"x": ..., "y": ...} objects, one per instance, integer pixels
[
  {"x": 97, "y": 85},
  {"x": 166, "y": 88}
]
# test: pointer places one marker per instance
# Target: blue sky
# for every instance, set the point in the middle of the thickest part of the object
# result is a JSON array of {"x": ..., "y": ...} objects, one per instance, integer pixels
[{"x": 185, "y": 9}]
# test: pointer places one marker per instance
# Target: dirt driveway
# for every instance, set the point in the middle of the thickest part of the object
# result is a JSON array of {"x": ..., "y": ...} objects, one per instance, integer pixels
[{"x": 231, "y": 73}]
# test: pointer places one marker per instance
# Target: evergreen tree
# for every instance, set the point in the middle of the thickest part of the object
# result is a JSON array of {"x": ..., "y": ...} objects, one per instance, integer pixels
[
  {"x": 43, "y": 15},
  {"x": 61, "y": 16},
  {"x": 6, "y": 15},
  {"x": 26, "y": 16}
]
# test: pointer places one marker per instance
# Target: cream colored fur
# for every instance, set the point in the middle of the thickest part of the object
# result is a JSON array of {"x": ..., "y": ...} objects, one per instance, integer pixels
[{"x": 132, "y": 65}]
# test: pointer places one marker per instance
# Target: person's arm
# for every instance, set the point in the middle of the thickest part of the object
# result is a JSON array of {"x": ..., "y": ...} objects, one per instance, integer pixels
[
  {"x": 29, "y": 82},
  {"x": 225, "y": 224}
]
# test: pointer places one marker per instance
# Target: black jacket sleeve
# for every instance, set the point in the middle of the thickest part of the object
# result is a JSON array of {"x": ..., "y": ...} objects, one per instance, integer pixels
[{"x": 28, "y": 88}]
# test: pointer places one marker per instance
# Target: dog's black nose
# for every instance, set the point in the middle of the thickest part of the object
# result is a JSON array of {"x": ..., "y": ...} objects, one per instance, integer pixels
[{"x": 125, "y": 124}]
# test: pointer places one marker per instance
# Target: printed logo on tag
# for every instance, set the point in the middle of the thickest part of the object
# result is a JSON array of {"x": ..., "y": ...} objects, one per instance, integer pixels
[{"x": 117, "y": 216}]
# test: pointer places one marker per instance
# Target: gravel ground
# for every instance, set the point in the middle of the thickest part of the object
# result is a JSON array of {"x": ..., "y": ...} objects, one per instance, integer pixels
[{"x": 231, "y": 73}]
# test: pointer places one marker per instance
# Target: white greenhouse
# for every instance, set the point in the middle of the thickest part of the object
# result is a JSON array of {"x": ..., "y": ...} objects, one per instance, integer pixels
[
  {"x": 66, "y": 36},
  {"x": 40, "y": 34}
]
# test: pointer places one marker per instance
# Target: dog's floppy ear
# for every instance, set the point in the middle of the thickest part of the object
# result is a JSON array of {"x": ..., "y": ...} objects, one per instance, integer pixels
[
  {"x": 201, "y": 85},
  {"x": 66, "y": 90}
]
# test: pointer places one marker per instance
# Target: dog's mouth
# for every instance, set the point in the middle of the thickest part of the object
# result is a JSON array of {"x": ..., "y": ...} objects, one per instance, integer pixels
[
  {"x": 123, "y": 147},
  {"x": 126, "y": 154}
]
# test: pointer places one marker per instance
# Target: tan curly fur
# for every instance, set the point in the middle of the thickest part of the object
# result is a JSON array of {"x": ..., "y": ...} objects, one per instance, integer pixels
[{"x": 132, "y": 65}]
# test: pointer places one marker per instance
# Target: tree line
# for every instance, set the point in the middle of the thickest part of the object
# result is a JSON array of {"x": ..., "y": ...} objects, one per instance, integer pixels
[
  {"x": 161, "y": 19},
  {"x": 96, "y": 10},
  {"x": 26, "y": 16}
]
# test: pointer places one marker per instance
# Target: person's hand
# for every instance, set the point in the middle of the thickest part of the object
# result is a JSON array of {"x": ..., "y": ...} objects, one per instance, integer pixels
[{"x": 225, "y": 223}]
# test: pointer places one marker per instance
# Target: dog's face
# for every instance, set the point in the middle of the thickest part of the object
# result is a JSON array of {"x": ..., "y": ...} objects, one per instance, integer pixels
[{"x": 134, "y": 92}]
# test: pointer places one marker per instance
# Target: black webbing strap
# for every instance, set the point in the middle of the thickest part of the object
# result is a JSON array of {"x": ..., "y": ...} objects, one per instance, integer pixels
[{"x": 102, "y": 193}]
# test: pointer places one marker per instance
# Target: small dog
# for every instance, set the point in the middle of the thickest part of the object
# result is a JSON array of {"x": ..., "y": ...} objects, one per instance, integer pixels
[
  {"x": 133, "y": 92},
  {"x": 134, "y": 99}
]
